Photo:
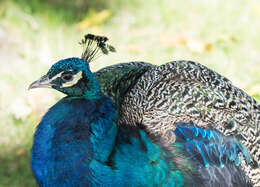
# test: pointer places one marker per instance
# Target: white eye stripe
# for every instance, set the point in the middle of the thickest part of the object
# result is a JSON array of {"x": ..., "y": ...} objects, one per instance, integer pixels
[
  {"x": 56, "y": 76},
  {"x": 74, "y": 81}
]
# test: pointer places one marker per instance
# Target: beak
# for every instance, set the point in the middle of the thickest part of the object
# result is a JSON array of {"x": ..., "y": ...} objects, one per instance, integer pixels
[{"x": 43, "y": 82}]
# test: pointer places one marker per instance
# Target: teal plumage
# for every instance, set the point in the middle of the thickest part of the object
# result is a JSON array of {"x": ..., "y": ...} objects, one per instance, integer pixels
[{"x": 89, "y": 139}]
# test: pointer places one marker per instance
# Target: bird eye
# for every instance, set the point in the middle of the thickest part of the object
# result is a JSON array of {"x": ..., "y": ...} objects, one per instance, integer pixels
[{"x": 67, "y": 77}]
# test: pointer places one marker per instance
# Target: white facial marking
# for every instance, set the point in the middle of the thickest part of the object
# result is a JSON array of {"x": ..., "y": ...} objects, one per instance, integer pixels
[
  {"x": 56, "y": 76},
  {"x": 74, "y": 81}
]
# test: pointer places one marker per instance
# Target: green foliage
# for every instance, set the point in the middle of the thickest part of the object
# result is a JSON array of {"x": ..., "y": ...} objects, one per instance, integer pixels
[
  {"x": 61, "y": 10},
  {"x": 15, "y": 168},
  {"x": 36, "y": 33}
]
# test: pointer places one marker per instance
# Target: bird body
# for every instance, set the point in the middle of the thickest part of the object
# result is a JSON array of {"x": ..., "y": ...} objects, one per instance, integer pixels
[{"x": 136, "y": 124}]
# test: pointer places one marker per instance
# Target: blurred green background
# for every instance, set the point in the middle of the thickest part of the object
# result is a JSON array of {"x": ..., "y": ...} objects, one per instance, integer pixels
[{"x": 36, "y": 33}]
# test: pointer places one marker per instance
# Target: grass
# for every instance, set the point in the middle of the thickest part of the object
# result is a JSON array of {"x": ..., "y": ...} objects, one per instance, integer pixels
[{"x": 34, "y": 34}]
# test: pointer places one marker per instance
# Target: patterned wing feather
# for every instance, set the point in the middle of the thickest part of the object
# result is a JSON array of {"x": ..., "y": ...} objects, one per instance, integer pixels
[
  {"x": 158, "y": 96},
  {"x": 188, "y": 91},
  {"x": 117, "y": 79}
]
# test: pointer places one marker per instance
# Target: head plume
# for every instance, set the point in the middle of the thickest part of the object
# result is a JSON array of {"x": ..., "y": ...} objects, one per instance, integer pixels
[{"x": 94, "y": 46}]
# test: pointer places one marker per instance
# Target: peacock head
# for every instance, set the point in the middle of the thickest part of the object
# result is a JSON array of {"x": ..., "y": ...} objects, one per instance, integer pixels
[{"x": 72, "y": 76}]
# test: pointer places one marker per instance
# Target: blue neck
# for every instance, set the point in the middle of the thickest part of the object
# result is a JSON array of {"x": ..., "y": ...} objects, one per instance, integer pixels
[{"x": 71, "y": 130}]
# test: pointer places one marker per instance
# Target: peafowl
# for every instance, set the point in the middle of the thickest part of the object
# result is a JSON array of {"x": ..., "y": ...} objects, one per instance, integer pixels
[{"x": 137, "y": 124}]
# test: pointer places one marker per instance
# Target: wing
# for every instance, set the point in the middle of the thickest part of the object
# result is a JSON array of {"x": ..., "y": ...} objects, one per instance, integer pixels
[
  {"x": 188, "y": 91},
  {"x": 216, "y": 157},
  {"x": 156, "y": 96}
]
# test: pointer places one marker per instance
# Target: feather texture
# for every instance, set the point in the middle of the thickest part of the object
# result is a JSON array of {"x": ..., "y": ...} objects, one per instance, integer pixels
[
  {"x": 79, "y": 142},
  {"x": 183, "y": 91}
]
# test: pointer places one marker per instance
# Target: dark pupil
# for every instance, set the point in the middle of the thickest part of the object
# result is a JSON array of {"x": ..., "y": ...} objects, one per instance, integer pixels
[{"x": 67, "y": 77}]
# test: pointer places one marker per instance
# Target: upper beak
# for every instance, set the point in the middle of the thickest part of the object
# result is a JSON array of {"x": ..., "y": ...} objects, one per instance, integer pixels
[{"x": 43, "y": 82}]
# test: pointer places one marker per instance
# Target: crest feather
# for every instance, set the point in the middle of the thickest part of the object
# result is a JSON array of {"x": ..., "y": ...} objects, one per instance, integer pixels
[{"x": 94, "y": 46}]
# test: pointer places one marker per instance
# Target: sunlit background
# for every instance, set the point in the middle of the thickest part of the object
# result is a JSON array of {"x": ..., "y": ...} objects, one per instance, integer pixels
[{"x": 34, "y": 34}]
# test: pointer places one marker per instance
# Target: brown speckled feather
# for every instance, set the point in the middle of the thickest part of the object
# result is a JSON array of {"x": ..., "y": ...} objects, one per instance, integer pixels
[{"x": 188, "y": 91}]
